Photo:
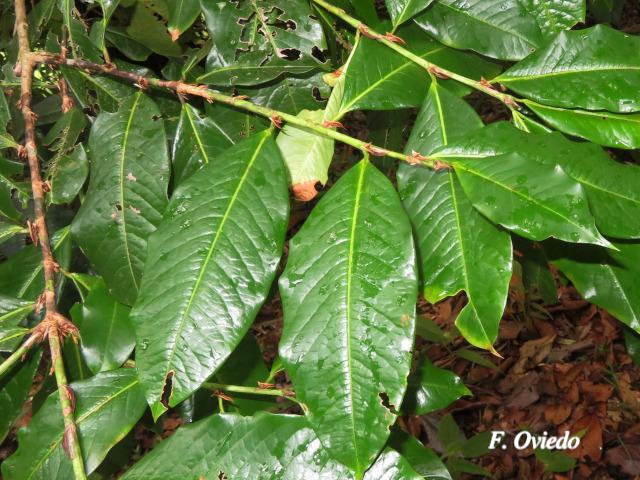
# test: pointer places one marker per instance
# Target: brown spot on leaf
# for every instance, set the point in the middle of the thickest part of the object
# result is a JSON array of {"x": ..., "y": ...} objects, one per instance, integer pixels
[{"x": 305, "y": 191}]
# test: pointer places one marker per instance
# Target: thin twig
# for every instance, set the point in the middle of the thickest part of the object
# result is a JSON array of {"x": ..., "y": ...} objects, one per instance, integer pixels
[
  {"x": 272, "y": 392},
  {"x": 54, "y": 326},
  {"x": 394, "y": 43},
  {"x": 184, "y": 89}
]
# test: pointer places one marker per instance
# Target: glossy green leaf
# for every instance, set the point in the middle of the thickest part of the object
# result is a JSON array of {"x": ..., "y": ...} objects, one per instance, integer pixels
[
  {"x": 390, "y": 465},
  {"x": 260, "y": 40},
  {"x": 348, "y": 293},
  {"x": 614, "y": 198},
  {"x": 182, "y": 13},
  {"x": 608, "y": 279},
  {"x": 632, "y": 344},
  {"x": 553, "y": 16},
  {"x": 397, "y": 82},
  {"x": 501, "y": 29},
  {"x": 423, "y": 460},
  {"x": 69, "y": 175},
  {"x": 459, "y": 249},
  {"x": 5, "y": 114},
  {"x": 211, "y": 263},
  {"x": 263, "y": 447},
  {"x": 127, "y": 193},
  {"x": 595, "y": 69},
  {"x": 14, "y": 392},
  {"x": 402, "y": 10},
  {"x": 9, "y": 230},
  {"x": 432, "y": 388},
  {"x": 106, "y": 332},
  {"x": 132, "y": 49},
  {"x": 198, "y": 140},
  {"x": 107, "y": 407},
  {"x": 604, "y": 128},
  {"x": 9, "y": 188},
  {"x": 21, "y": 274},
  {"x": 535, "y": 200}
]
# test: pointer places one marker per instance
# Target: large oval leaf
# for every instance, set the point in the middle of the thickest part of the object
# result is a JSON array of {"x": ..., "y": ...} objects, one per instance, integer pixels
[
  {"x": 15, "y": 387},
  {"x": 127, "y": 193},
  {"x": 501, "y": 29},
  {"x": 535, "y": 200},
  {"x": 281, "y": 447},
  {"x": 578, "y": 71},
  {"x": 211, "y": 263},
  {"x": 614, "y": 198},
  {"x": 402, "y": 10},
  {"x": 459, "y": 249},
  {"x": 349, "y": 293},
  {"x": 107, "y": 407}
]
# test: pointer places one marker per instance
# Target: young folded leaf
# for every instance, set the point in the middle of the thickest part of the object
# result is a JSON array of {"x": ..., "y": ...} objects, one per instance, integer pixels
[
  {"x": 596, "y": 69},
  {"x": 459, "y": 249},
  {"x": 209, "y": 268},
  {"x": 349, "y": 293},
  {"x": 127, "y": 193},
  {"x": 107, "y": 407}
]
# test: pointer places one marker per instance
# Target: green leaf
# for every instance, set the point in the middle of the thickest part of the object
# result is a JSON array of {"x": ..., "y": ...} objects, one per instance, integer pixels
[
  {"x": 556, "y": 15},
  {"x": 390, "y": 465},
  {"x": 424, "y": 460},
  {"x": 575, "y": 71},
  {"x": 182, "y": 13},
  {"x": 12, "y": 311},
  {"x": 21, "y": 274},
  {"x": 107, "y": 407},
  {"x": 148, "y": 27},
  {"x": 198, "y": 140},
  {"x": 397, "y": 82},
  {"x": 258, "y": 41},
  {"x": 349, "y": 293},
  {"x": 632, "y": 344},
  {"x": 282, "y": 446},
  {"x": 127, "y": 193},
  {"x": 535, "y": 200},
  {"x": 501, "y": 29},
  {"x": 5, "y": 114},
  {"x": 8, "y": 231},
  {"x": 475, "y": 357},
  {"x": 224, "y": 227},
  {"x": 131, "y": 48},
  {"x": 555, "y": 460},
  {"x": 460, "y": 465},
  {"x": 459, "y": 249},
  {"x": 450, "y": 435},
  {"x": 15, "y": 387},
  {"x": 107, "y": 335},
  {"x": 402, "y": 10},
  {"x": 7, "y": 141},
  {"x": 69, "y": 176},
  {"x": 432, "y": 388},
  {"x": 536, "y": 275},
  {"x": 614, "y": 198},
  {"x": 604, "y": 128},
  {"x": 607, "y": 279},
  {"x": 8, "y": 186}
]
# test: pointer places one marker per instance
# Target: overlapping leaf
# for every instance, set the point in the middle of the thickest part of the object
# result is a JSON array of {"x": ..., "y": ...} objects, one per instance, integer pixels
[
  {"x": 12, "y": 311},
  {"x": 535, "y": 200},
  {"x": 107, "y": 407},
  {"x": 381, "y": 79},
  {"x": 105, "y": 330},
  {"x": 211, "y": 263},
  {"x": 259, "y": 40},
  {"x": 349, "y": 293},
  {"x": 182, "y": 13},
  {"x": 14, "y": 391},
  {"x": 197, "y": 142},
  {"x": 554, "y": 16},
  {"x": 402, "y": 10},
  {"x": 501, "y": 29},
  {"x": 608, "y": 279},
  {"x": 127, "y": 193},
  {"x": 614, "y": 199},
  {"x": 595, "y": 69},
  {"x": 459, "y": 249}
]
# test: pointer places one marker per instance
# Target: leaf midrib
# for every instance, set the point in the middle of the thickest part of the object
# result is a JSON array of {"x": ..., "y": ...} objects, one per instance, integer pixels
[
  {"x": 350, "y": 255},
  {"x": 614, "y": 68},
  {"x": 207, "y": 259}
]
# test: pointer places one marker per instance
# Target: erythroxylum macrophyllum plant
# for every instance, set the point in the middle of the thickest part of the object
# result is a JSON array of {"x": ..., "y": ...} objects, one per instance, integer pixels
[{"x": 167, "y": 141}]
